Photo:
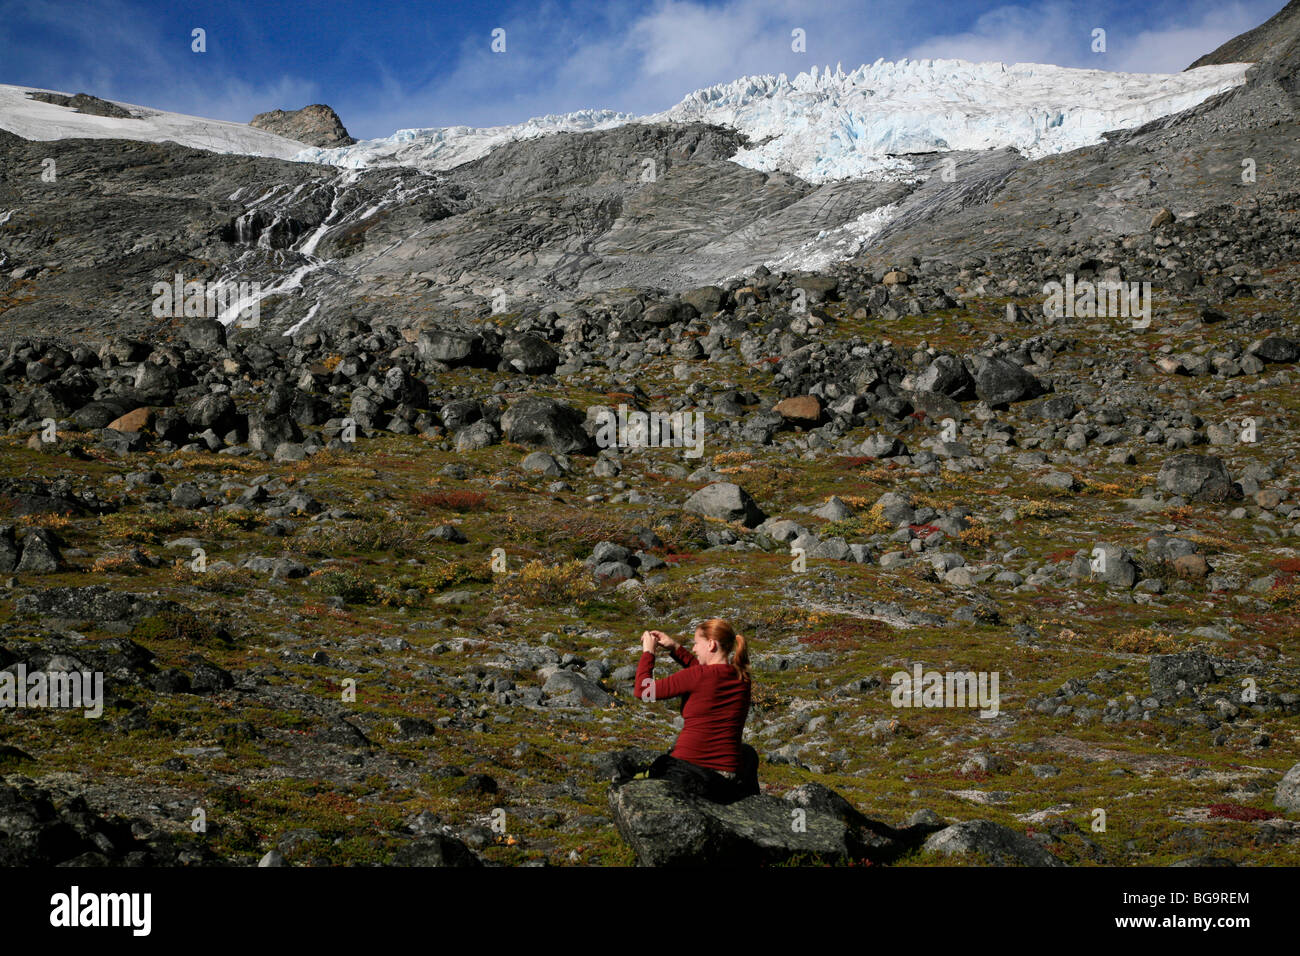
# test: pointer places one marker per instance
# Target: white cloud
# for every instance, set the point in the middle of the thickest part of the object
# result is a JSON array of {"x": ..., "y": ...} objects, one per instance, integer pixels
[{"x": 1061, "y": 33}]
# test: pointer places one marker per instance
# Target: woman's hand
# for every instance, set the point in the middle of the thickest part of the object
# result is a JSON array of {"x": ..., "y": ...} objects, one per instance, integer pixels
[
  {"x": 648, "y": 642},
  {"x": 664, "y": 640}
]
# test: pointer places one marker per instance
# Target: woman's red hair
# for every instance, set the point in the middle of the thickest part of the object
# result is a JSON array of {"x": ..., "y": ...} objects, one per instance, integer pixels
[{"x": 733, "y": 644}]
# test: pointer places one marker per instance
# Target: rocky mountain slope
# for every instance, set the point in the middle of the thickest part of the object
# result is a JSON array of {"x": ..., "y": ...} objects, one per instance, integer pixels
[{"x": 364, "y": 579}]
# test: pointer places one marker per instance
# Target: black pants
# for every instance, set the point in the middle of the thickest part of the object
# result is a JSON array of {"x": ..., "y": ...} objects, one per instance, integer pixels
[{"x": 709, "y": 784}]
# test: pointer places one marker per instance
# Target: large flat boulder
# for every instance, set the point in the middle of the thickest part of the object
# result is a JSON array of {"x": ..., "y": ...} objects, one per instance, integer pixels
[
  {"x": 1180, "y": 673},
  {"x": 666, "y": 827}
]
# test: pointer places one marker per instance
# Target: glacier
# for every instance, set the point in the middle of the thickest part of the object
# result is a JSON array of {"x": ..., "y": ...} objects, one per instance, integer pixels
[
  {"x": 826, "y": 125},
  {"x": 823, "y": 125}
]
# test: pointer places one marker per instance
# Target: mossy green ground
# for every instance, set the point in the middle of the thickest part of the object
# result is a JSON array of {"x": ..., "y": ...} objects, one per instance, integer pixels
[{"x": 1163, "y": 789}]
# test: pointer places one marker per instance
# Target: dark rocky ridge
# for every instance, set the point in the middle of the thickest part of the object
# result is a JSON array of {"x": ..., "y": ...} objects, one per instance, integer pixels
[{"x": 84, "y": 103}]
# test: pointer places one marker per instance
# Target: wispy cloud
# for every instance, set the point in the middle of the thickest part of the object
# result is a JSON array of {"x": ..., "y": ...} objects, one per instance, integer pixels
[
  {"x": 1061, "y": 33},
  {"x": 561, "y": 55}
]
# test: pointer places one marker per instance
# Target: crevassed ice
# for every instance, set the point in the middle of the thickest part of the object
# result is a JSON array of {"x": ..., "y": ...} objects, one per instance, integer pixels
[{"x": 824, "y": 125}]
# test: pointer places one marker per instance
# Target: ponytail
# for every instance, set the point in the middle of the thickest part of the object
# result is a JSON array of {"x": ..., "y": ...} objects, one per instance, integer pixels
[{"x": 740, "y": 658}]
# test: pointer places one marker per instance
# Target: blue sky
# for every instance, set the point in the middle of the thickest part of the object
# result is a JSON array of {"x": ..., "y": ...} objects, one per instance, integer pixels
[{"x": 416, "y": 63}]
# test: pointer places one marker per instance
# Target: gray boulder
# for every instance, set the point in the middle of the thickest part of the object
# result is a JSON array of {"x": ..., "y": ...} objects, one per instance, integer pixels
[
  {"x": 1288, "y": 791},
  {"x": 1000, "y": 381},
  {"x": 947, "y": 376},
  {"x": 481, "y": 434},
  {"x": 727, "y": 502},
  {"x": 1197, "y": 478},
  {"x": 568, "y": 687},
  {"x": 436, "y": 849},
  {"x": 448, "y": 348},
  {"x": 999, "y": 845},
  {"x": 542, "y": 463},
  {"x": 212, "y": 411},
  {"x": 705, "y": 300},
  {"x": 1190, "y": 669},
  {"x": 206, "y": 335},
  {"x": 364, "y": 408},
  {"x": 544, "y": 421},
  {"x": 268, "y": 432},
  {"x": 1276, "y": 348},
  {"x": 1114, "y": 565},
  {"x": 40, "y": 553},
  {"x": 529, "y": 354}
]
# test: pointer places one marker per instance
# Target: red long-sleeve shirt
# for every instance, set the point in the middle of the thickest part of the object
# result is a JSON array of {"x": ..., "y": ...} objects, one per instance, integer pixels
[{"x": 715, "y": 708}]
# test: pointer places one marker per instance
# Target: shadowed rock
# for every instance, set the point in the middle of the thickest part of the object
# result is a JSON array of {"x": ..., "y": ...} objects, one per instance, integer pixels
[
  {"x": 544, "y": 421},
  {"x": 812, "y": 825}
]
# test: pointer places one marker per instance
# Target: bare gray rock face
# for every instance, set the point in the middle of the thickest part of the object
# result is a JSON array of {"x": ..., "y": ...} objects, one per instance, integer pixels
[
  {"x": 315, "y": 125},
  {"x": 1257, "y": 44}
]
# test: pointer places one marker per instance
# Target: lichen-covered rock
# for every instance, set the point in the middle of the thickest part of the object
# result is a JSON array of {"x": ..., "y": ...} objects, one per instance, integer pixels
[{"x": 1191, "y": 669}]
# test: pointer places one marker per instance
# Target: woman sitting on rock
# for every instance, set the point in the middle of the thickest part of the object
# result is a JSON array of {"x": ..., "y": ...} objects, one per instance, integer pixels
[{"x": 708, "y": 759}]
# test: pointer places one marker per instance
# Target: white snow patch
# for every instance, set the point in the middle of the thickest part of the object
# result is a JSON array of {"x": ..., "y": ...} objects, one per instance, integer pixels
[{"x": 32, "y": 119}]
